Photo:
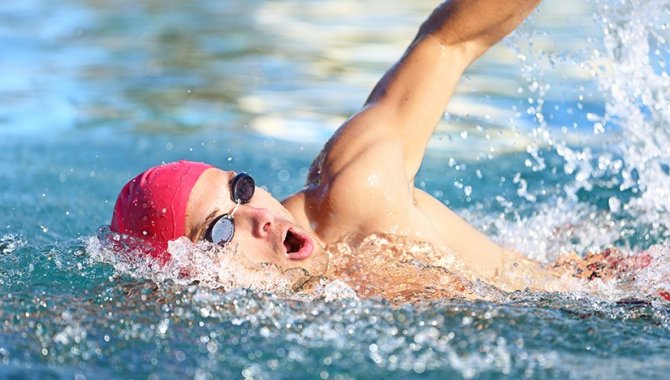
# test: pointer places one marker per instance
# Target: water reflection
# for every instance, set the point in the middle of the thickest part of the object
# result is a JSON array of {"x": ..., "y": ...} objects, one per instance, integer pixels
[{"x": 289, "y": 69}]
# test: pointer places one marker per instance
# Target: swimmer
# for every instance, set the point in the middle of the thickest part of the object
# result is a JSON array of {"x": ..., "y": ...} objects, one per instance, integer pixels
[{"x": 361, "y": 183}]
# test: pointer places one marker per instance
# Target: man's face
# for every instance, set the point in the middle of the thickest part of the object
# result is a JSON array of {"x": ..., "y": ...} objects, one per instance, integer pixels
[{"x": 265, "y": 231}]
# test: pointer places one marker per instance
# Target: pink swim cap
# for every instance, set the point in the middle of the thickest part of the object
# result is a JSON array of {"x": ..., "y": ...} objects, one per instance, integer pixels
[{"x": 152, "y": 206}]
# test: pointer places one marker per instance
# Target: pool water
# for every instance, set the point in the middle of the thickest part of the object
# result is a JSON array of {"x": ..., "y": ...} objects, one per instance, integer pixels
[{"x": 556, "y": 142}]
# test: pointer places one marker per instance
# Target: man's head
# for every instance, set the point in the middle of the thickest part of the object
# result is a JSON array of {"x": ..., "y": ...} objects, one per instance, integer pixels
[
  {"x": 184, "y": 198},
  {"x": 152, "y": 206}
]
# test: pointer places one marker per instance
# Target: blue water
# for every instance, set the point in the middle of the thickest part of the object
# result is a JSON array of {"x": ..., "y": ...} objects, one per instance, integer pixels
[{"x": 555, "y": 142}]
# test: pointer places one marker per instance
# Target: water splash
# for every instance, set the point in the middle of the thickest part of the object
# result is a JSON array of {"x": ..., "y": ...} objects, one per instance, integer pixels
[
  {"x": 206, "y": 264},
  {"x": 633, "y": 75},
  {"x": 10, "y": 243},
  {"x": 619, "y": 172},
  {"x": 654, "y": 279},
  {"x": 553, "y": 229}
]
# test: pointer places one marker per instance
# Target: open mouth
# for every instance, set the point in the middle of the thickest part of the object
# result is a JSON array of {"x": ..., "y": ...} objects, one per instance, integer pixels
[{"x": 298, "y": 245}]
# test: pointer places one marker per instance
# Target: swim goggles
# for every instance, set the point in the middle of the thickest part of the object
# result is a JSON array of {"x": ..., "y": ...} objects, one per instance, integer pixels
[{"x": 222, "y": 229}]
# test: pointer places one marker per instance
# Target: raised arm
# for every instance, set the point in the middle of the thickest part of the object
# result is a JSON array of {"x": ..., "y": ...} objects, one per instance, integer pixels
[{"x": 407, "y": 103}]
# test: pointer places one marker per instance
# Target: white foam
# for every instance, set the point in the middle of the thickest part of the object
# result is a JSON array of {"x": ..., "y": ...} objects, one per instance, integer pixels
[
  {"x": 10, "y": 243},
  {"x": 214, "y": 267}
]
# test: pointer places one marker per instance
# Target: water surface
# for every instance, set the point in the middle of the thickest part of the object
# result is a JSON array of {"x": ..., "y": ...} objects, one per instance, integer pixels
[{"x": 555, "y": 142}]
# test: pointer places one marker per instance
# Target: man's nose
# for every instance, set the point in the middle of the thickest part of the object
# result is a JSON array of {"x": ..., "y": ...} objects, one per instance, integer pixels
[{"x": 262, "y": 221}]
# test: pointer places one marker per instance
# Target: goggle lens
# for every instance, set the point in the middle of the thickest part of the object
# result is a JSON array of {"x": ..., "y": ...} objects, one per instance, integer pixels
[
  {"x": 242, "y": 188},
  {"x": 222, "y": 230}
]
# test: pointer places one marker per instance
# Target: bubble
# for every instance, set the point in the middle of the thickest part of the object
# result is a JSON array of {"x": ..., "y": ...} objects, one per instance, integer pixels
[
  {"x": 467, "y": 190},
  {"x": 283, "y": 175},
  {"x": 163, "y": 326}
]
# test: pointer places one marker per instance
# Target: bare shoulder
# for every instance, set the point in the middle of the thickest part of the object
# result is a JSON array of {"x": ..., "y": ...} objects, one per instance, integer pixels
[
  {"x": 357, "y": 189},
  {"x": 364, "y": 137}
]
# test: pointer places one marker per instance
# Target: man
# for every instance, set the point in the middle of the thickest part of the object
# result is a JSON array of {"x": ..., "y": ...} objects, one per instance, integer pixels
[{"x": 361, "y": 183}]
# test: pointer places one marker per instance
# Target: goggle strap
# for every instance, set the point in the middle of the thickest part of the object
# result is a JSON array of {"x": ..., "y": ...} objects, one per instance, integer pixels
[{"x": 232, "y": 213}]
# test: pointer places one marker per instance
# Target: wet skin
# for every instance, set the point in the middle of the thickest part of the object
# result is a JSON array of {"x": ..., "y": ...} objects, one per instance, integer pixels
[{"x": 265, "y": 231}]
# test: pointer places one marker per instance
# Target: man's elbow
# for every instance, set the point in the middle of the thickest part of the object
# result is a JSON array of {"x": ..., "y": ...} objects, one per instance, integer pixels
[{"x": 462, "y": 53}]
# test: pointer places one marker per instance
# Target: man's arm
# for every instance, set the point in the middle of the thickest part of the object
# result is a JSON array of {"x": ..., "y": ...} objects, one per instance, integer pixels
[{"x": 407, "y": 103}]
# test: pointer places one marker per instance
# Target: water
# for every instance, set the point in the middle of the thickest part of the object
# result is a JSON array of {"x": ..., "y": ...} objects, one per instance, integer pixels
[{"x": 556, "y": 142}]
